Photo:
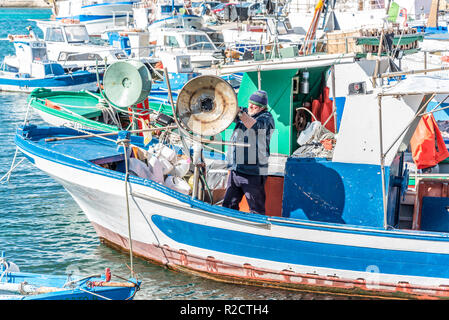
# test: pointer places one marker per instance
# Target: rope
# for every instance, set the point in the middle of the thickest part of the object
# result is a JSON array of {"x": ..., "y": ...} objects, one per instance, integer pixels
[
  {"x": 302, "y": 108},
  {"x": 8, "y": 174},
  {"x": 125, "y": 143},
  {"x": 3, "y": 262},
  {"x": 13, "y": 165},
  {"x": 134, "y": 283},
  {"x": 313, "y": 148}
]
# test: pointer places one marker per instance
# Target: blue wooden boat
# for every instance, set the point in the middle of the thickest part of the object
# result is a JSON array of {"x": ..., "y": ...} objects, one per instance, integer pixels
[
  {"x": 333, "y": 221},
  {"x": 16, "y": 285},
  {"x": 30, "y": 69}
]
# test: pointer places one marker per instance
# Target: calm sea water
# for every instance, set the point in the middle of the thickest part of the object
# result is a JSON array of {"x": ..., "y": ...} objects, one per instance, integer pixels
[{"x": 44, "y": 231}]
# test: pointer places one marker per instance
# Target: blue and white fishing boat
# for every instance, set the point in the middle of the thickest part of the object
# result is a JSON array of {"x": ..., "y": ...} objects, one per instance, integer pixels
[
  {"x": 333, "y": 219},
  {"x": 164, "y": 14},
  {"x": 194, "y": 43},
  {"x": 69, "y": 43},
  {"x": 98, "y": 16},
  {"x": 30, "y": 68},
  {"x": 17, "y": 285}
]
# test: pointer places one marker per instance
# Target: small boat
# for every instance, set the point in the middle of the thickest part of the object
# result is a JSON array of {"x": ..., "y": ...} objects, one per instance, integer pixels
[
  {"x": 88, "y": 110},
  {"x": 164, "y": 14},
  {"x": 263, "y": 31},
  {"x": 17, "y": 285},
  {"x": 69, "y": 43},
  {"x": 98, "y": 15},
  {"x": 30, "y": 68},
  {"x": 194, "y": 43}
]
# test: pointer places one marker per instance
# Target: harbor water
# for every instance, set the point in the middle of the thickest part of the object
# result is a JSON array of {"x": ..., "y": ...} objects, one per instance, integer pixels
[{"x": 43, "y": 230}]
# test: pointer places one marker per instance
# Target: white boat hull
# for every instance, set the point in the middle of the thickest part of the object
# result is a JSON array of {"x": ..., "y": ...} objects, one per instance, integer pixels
[{"x": 103, "y": 200}]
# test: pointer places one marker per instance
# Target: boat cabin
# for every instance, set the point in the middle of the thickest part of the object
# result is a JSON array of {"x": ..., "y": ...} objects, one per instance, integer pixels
[
  {"x": 31, "y": 59},
  {"x": 195, "y": 43},
  {"x": 164, "y": 14},
  {"x": 326, "y": 162},
  {"x": 68, "y": 42}
]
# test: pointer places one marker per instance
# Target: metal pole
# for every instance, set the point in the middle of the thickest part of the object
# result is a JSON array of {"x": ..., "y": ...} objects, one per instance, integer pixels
[
  {"x": 334, "y": 105},
  {"x": 410, "y": 123},
  {"x": 379, "y": 52},
  {"x": 425, "y": 61},
  {"x": 402, "y": 73},
  {"x": 382, "y": 162},
  {"x": 125, "y": 150}
]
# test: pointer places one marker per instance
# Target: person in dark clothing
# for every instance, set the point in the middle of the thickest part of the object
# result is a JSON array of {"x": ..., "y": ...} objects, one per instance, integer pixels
[{"x": 249, "y": 165}]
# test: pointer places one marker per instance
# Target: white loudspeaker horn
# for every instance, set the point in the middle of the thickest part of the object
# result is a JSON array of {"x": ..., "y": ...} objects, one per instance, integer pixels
[{"x": 127, "y": 83}]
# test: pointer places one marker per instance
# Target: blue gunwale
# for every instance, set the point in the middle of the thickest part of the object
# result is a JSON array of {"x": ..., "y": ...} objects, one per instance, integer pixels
[
  {"x": 56, "y": 81},
  {"x": 39, "y": 148},
  {"x": 107, "y": 3}
]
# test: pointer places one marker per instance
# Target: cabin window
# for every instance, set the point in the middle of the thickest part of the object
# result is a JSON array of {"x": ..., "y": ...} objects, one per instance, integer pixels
[
  {"x": 171, "y": 41},
  {"x": 8, "y": 68},
  {"x": 168, "y": 9},
  {"x": 54, "y": 35},
  {"x": 76, "y": 34},
  {"x": 198, "y": 42},
  {"x": 69, "y": 56},
  {"x": 121, "y": 55},
  {"x": 54, "y": 69},
  {"x": 39, "y": 54}
]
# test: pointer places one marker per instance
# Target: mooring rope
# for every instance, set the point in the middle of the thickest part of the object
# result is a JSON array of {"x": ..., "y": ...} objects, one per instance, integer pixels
[
  {"x": 13, "y": 165},
  {"x": 125, "y": 144}
]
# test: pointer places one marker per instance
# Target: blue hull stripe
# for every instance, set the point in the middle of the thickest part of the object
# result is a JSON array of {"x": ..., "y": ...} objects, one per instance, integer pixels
[
  {"x": 314, "y": 254},
  {"x": 58, "y": 81},
  {"x": 87, "y": 18},
  {"x": 106, "y": 4}
]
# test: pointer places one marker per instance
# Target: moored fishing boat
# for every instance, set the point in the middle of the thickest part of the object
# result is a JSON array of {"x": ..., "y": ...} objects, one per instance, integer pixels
[
  {"x": 87, "y": 110},
  {"x": 98, "y": 16},
  {"x": 332, "y": 218},
  {"x": 30, "y": 68},
  {"x": 17, "y": 285}
]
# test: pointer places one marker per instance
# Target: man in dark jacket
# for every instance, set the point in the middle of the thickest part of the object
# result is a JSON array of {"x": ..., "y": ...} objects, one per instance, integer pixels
[{"x": 249, "y": 165}]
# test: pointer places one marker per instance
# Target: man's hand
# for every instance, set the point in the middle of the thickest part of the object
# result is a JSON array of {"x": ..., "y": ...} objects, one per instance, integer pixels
[{"x": 247, "y": 120}]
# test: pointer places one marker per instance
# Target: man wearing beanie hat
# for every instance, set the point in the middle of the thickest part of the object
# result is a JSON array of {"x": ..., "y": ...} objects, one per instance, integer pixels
[{"x": 249, "y": 165}]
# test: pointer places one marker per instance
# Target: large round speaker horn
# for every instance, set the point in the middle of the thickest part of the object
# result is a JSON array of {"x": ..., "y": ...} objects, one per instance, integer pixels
[
  {"x": 127, "y": 83},
  {"x": 206, "y": 105}
]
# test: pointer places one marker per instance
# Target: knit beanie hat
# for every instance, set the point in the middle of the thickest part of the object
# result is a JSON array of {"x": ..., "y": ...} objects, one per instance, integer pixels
[{"x": 259, "y": 98}]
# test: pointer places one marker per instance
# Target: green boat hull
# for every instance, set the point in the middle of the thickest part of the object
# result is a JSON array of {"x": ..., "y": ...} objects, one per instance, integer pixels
[{"x": 79, "y": 109}]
